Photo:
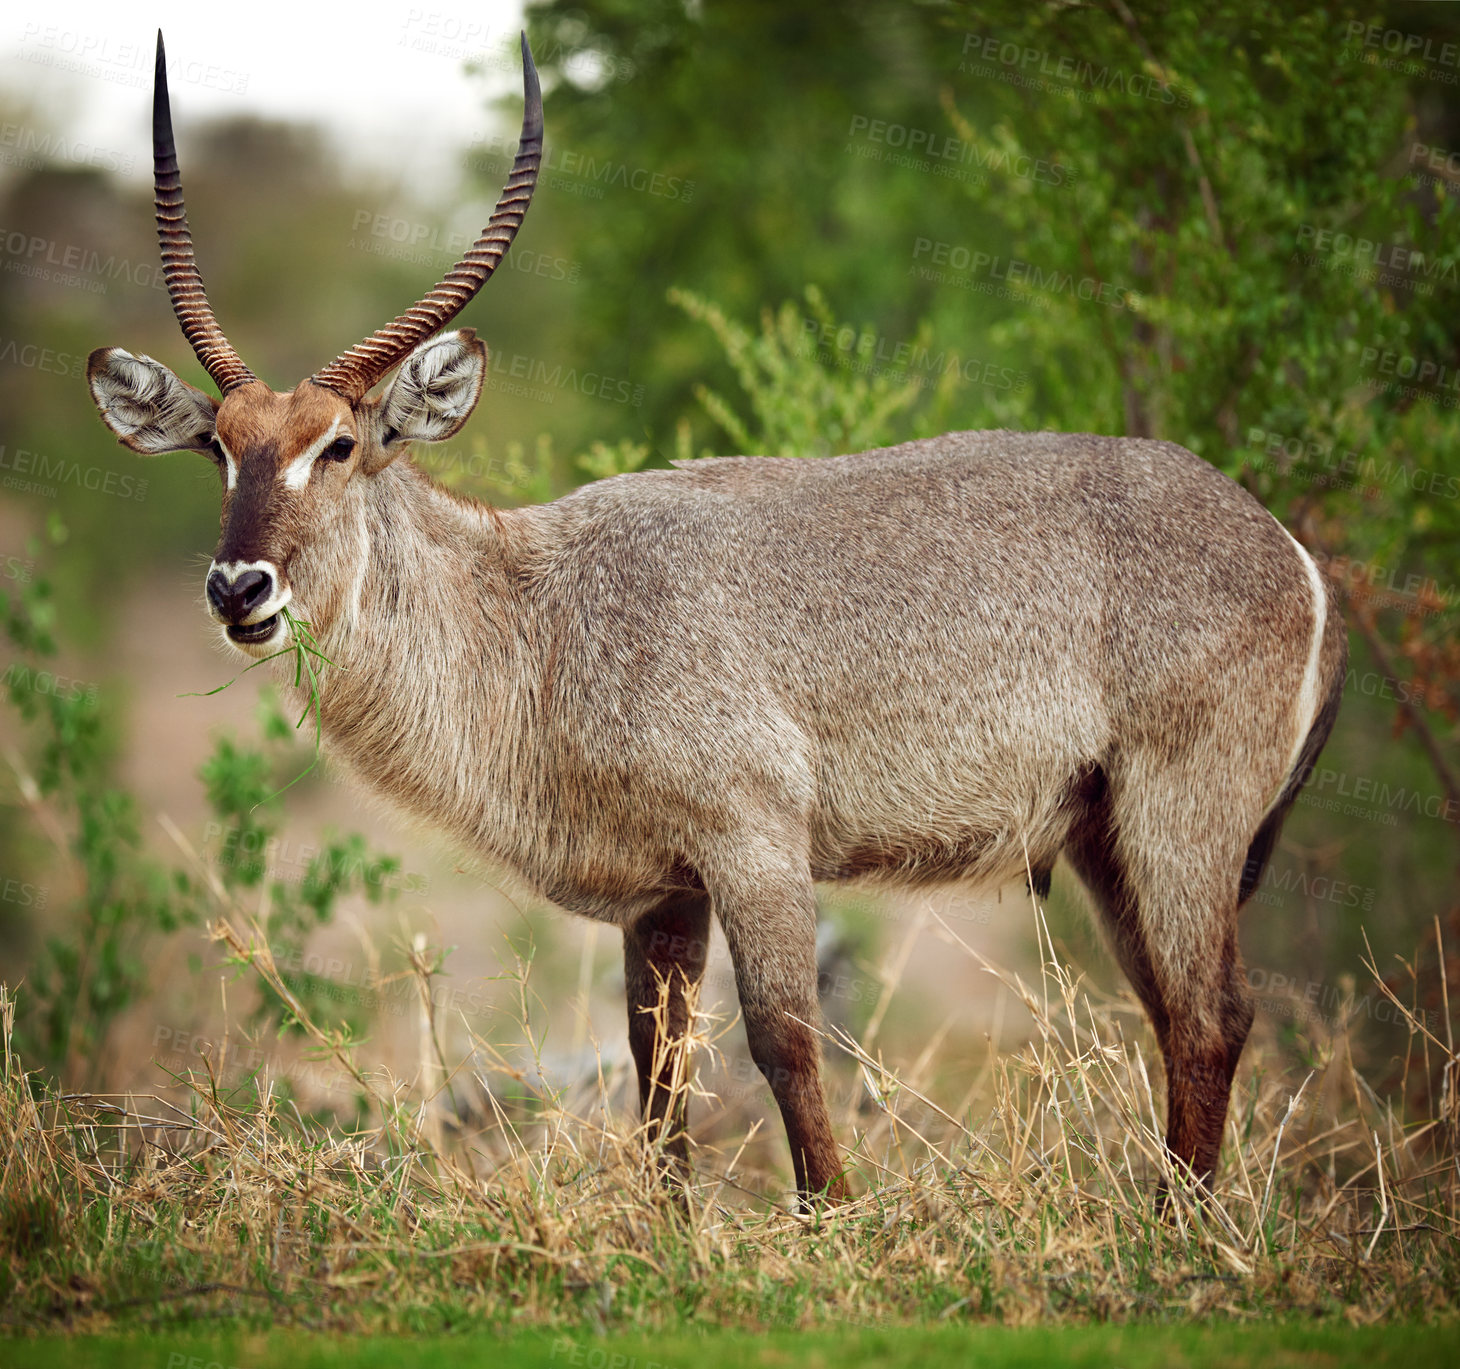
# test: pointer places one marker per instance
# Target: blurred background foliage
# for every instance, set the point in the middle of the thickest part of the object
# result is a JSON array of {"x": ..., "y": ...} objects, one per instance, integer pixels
[{"x": 806, "y": 229}]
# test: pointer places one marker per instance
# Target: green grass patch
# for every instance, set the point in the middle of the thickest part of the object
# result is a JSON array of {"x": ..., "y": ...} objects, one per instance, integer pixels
[{"x": 1279, "y": 1345}]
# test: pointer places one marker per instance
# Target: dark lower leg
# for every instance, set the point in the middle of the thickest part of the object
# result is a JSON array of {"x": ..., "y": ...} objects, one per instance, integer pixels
[
  {"x": 1200, "y": 1010},
  {"x": 1200, "y": 1065},
  {"x": 789, "y": 1055},
  {"x": 664, "y": 960},
  {"x": 769, "y": 917},
  {"x": 1198, "y": 1087}
]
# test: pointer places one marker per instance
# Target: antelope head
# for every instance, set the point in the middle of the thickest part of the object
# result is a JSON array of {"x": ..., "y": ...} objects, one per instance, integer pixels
[{"x": 285, "y": 459}]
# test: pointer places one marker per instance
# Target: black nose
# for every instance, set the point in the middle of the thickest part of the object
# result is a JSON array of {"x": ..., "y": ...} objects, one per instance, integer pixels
[{"x": 234, "y": 600}]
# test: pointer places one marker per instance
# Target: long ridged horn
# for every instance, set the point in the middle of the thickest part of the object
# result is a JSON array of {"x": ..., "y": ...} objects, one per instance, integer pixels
[
  {"x": 359, "y": 368},
  {"x": 184, "y": 283}
]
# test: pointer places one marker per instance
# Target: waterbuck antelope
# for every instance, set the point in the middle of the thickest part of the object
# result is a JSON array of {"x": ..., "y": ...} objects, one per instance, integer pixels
[{"x": 701, "y": 690}]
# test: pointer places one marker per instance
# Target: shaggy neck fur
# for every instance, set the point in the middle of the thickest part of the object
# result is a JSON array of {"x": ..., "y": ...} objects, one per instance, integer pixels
[{"x": 413, "y": 594}]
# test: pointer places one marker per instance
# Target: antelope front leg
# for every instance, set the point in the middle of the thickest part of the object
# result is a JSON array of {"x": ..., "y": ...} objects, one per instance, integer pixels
[
  {"x": 773, "y": 946},
  {"x": 664, "y": 960}
]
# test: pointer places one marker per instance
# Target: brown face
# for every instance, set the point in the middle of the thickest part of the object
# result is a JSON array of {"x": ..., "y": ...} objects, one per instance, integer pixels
[{"x": 284, "y": 460}]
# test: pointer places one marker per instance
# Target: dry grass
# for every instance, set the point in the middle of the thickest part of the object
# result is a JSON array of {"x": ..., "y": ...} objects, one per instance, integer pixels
[{"x": 1031, "y": 1198}]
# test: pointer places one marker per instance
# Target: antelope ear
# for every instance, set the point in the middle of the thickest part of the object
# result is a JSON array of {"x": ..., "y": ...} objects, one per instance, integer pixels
[
  {"x": 434, "y": 391},
  {"x": 146, "y": 406}
]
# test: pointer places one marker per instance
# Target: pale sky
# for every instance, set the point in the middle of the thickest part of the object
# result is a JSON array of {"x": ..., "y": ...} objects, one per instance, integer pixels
[{"x": 386, "y": 77}]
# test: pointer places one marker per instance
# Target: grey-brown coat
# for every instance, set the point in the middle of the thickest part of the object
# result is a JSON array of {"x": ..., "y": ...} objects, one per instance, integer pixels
[{"x": 696, "y": 692}]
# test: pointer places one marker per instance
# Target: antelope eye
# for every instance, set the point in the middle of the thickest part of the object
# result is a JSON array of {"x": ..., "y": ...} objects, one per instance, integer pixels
[
  {"x": 215, "y": 449},
  {"x": 339, "y": 449}
]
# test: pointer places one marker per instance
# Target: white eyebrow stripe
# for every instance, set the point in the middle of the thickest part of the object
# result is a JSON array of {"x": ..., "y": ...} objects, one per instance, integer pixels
[
  {"x": 229, "y": 460},
  {"x": 296, "y": 473}
]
